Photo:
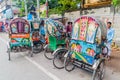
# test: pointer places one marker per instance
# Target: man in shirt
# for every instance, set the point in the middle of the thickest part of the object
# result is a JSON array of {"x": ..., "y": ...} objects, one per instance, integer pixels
[
  {"x": 110, "y": 35},
  {"x": 42, "y": 31}
]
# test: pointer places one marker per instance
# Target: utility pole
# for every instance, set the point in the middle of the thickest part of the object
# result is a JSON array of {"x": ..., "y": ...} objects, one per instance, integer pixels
[
  {"x": 26, "y": 11},
  {"x": 47, "y": 8},
  {"x": 38, "y": 9}
]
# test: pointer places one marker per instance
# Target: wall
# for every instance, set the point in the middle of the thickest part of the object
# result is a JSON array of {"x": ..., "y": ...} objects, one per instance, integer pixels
[{"x": 105, "y": 14}]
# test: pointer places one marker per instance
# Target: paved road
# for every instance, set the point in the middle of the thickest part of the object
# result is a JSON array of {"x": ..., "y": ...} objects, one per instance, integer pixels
[{"x": 23, "y": 67}]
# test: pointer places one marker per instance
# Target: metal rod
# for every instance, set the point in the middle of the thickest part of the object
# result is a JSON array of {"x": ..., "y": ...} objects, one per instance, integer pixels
[
  {"x": 47, "y": 8},
  {"x": 26, "y": 12},
  {"x": 38, "y": 8}
]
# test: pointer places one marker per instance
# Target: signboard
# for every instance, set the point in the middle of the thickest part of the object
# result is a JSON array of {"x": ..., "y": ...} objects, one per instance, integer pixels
[{"x": 96, "y": 3}]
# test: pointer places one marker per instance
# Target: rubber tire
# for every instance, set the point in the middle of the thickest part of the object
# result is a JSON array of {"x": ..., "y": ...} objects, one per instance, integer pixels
[
  {"x": 67, "y": 60},
  {"x": 58, "y": 53},
  {"x": 95, "y": 71},
  {"x": 47, "y": 52},
  {"x": 9, "y": 56}
]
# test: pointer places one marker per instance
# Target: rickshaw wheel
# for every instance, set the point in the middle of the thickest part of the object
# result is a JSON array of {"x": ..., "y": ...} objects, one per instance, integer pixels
[
  {"x": 58, "y": 60},
  {"x": 48, "y": 53},
  {"x": 8, "y": 51},
  {"x": 99, "y": 73},
  {"x": 69, "y": 66},
  {"x": 31, "y": 52},
  {"x": 38, "y": 48}
]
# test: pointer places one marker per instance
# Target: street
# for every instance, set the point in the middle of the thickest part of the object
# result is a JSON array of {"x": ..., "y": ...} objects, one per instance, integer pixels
[{"x": 24, "y": 67}]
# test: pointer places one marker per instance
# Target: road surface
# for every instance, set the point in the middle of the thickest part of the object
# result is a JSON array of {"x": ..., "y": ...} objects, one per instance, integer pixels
[{"x": 24, "y": 67}]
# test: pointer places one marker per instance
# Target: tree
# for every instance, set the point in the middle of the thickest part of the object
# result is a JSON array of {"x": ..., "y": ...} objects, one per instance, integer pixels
[
  {"x": 115, "y": 4},
  {"x": 66, "y": 5}
]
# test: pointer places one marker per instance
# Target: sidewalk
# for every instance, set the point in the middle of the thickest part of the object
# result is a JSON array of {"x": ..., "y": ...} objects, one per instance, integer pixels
[{"x": 114, "y": 63}]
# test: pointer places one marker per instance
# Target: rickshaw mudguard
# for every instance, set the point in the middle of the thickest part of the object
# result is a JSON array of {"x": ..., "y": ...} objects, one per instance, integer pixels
[{"x": 97, "y": 63}]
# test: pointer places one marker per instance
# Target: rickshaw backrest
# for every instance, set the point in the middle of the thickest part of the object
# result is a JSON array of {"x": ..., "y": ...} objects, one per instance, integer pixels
[
  {"x": 19, "y": 28},
  {"x": 87, "y": 37}
]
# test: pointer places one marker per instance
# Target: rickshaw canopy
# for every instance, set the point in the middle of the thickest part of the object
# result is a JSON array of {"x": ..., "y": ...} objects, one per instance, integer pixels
[
  {"x": 19, "y": 25},
  {"x": 54, "y": 27},
  {"x": 88, "y": 28}
]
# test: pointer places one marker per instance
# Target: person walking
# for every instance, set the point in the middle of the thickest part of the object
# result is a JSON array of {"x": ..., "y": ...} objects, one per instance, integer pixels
[
  {"x": 110, "y": 35},
  {"x": 69, "y": 29},
  {"x": 42, "y": 31}
]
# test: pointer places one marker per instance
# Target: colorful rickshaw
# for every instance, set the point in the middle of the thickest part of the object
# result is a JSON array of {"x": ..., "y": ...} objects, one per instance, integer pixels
[
  {"x": 19, "y": 36},
  {"x": 88, "y": 39},
  {"x": 56, "y": 38},
  {"x": 37, "y": 38}
]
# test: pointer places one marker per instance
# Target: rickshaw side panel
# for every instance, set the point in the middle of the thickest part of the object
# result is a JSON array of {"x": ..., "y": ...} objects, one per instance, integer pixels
[{"x": 53, "y": 42}]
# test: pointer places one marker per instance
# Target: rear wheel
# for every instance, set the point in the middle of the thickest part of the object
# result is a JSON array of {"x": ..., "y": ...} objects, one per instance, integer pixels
[
  {"x": 99, "y": 73},
  {"x": 8, "y": 51},
  {"x": 58, "y": 60},
  {"x": 31, "y": 52},
  {"x": 69, "y": 66},
  {"x": 48, "y": 53}
]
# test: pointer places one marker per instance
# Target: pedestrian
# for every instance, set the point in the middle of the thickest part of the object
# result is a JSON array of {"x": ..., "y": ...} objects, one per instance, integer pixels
[
  {"x": 110, "y": 35},
  {"x": 42, "y": 28},
  {"x": 42, "y": 31},
  {"x": 3, "y": 28},
  {"x": 6, "y": 27},
  {"x": 69, "y": 29}
]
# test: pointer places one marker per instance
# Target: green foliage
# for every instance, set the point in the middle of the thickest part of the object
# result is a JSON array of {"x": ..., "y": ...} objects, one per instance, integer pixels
[
  {"x": 22, "y": 9},
  {"x": 116, "y": 3},
  {"x": 43, "y": 14},
  {"x": 55, "y": 6},
  {"x": 66, "y": 5}
]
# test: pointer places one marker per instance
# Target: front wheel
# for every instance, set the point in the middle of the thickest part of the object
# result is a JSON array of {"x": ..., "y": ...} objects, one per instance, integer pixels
[
  {"x": 99, "y": 73},
  {"x": 9, "y": 56},
  {"x": 69, "y": 64},
  {"x": 58, "y": 60},
  {"x": 48, "y": 53}
]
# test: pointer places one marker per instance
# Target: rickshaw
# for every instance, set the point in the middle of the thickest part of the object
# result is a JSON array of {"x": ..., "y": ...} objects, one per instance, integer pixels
[
  {"x": 19, "y": 36},
  {"x": 88, "y": 40},
  {"x": 56, "y": 39},
  {"x": 37, "y": 38}
]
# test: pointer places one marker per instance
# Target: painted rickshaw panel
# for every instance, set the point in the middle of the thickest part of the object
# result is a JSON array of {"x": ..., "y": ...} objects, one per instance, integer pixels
[
  {"x": 83, "y": 43},
  {"x": 20, "y": 33}
]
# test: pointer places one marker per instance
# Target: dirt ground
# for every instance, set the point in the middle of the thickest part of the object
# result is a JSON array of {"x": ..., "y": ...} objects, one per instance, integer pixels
[{"x": 114, "y": 62}]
